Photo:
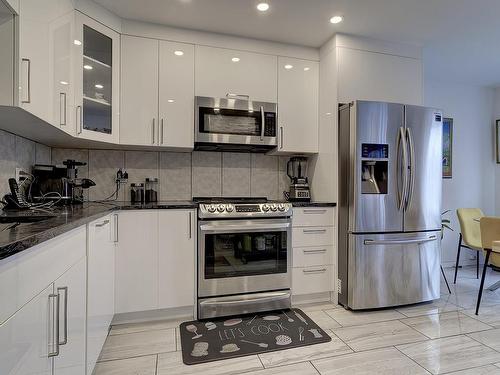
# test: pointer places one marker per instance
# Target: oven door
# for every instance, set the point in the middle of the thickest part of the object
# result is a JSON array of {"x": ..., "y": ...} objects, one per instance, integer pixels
[
  {"x": 235, "y": 122},
  {"x": 243, "y": 256}
]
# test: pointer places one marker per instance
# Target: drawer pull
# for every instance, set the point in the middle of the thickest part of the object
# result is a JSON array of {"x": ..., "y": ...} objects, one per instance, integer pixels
[
  {"x": 315, "y": 271},
  {"x": 312, "y": 212},
  {"x": 105, "y": 222},
  {"x": 310, "y": 231},
  {"x": 315, "y": 251}
]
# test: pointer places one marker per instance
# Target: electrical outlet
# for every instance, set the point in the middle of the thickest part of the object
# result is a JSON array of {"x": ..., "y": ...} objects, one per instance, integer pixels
[{"x": 20, "y": 174}]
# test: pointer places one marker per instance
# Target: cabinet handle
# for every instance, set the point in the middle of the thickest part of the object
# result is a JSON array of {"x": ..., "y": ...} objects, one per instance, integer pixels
[
  {"x": 65, "y": 307},
  {"x": 153, "y": 132},
  {"x": 79, "y": 118},
  {"x": 315, "y": 251},
  {"x": 262, "y": 123},
  {"x": 28, "y": 74},
  {"x": 310, "y": 231},
  {"x": 116, "y": 228},
  {"x": 281, "y": 137},
  {"x": 190, "y": 223},
  {"x": 161, "y": 132},
  {"x": 314, "y": 211},
  {"x": 105, "y": 222},
  {"x": 315, "y": 271},
  {"x": 62, "y": 108},
  {"x": 236, "y": 96},
  {"x": 55, "y": 325}
]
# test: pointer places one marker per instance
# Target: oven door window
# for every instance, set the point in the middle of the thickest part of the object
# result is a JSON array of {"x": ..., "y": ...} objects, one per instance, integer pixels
[
  {"x": 230, "y": 121},
  {"x": 245, "y": 254}
]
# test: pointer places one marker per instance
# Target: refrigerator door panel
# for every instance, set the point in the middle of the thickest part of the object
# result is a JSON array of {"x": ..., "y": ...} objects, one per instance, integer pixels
[
  {"x": 375, "y": 130},
  {"x": 393, "y": 269},
  {"x": 424, "y": 136}
]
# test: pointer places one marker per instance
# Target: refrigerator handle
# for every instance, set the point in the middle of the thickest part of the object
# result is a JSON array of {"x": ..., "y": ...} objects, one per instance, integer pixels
[
  {"x": 401, "y": 241},
  {"x": 411, "y": 166},
  {"x": 402, "y": 168}
]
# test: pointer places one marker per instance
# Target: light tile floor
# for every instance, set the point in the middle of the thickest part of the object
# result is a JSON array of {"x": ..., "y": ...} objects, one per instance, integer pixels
[{"x": 442, "y": 337}]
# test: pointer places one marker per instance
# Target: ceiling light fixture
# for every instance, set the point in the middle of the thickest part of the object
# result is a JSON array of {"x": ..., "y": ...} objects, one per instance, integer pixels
[
  {"x": 178, "y": 53},
  {"x": 77, "y": 42},
  {"x": 306, "y": 69},
  {"x": 235, "y": 59},
  {"x": 88, "y": 67},
  {"x": 336, "y": 19},
  {"x": 288, "y": 66},
  {"x": 64, "y": 83},
  {"x": 170, "y": 100},
  {"x": 98, "y": 86},
  {"x": 263, "y": 7}
]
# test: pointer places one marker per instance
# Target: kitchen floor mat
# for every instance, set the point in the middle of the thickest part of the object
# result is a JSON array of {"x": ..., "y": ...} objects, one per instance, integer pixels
[{"x": 238, "y": 336}]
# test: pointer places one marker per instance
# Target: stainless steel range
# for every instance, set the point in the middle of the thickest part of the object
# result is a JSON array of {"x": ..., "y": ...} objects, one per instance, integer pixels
[{"x": 244, "y": 256}]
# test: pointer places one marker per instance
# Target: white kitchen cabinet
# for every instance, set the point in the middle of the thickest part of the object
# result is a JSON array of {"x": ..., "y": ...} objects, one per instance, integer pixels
[
  {"x": 220, "y": 71},
  {"x": 176, "y": 95},
  {"x": 27, "y": 337},
  {"x": 298, "y": 101},
  {"x": 136, "y": 261},
  {"x": 35, "y": 60},
  {"x": 157, "y": 93},
  {"x": 100, "y": 285},
  {"x": 176, "y": 261},
  {"x": 97, "y": 80},
  {"x": 71, "y": 288},
  {"x": 139, "y": 91}
]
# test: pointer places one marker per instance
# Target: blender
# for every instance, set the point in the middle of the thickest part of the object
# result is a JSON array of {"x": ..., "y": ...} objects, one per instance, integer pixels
[{"x": 296, "y": 169}]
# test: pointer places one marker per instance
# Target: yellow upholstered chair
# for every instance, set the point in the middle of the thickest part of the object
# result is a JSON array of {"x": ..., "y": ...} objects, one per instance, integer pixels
[
  {"x": 470, "y": 234},
  {"x": 490, "y": 234}
]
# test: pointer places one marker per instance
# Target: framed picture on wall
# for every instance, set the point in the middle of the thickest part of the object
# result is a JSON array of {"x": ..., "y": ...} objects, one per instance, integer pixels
[
  {"x": 448, "y": 147},
  {"x": 497, "y": 138}
]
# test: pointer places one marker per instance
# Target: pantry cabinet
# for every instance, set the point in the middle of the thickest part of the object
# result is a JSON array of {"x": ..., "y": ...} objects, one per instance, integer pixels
[
  {"x": 157, "y": 96},
  {"x": 97, "y": 80},
  {"x": 176, "y": 258},
  {"x": 220, "y": 72},
  {"x": 298, "y": 100}
]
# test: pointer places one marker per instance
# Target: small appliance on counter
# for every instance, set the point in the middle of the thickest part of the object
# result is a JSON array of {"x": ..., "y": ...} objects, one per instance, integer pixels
[
  {"x": 151, "y": 192},
  {"x": 296, "y": 169},
  {"x": 136, "y": 193},
  {"x": 58, "y": 183}
]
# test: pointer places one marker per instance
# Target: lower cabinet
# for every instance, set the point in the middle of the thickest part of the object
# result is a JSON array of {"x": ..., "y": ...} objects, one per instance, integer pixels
[
  {"x": 100, "y": 285},
  {"x": 155, "y": 260}
]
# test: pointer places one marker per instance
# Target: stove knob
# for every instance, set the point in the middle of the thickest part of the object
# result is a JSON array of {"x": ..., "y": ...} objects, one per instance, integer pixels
[
  {"x": 274, "y": 208},
  {"x": 265, "y": 207},
  {"x": 229, "y": 208},
  {"x": 281, "y": 207},
  {"x": 211, "y": 208},
  {"x": 221, "y": 208}
]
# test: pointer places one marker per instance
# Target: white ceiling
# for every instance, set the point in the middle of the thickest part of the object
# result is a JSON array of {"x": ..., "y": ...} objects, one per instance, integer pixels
[{"x": 460, "y": 38}]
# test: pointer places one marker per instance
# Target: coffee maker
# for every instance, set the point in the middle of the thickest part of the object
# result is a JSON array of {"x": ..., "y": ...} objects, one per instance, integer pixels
[{"x": 296, "y": 169}]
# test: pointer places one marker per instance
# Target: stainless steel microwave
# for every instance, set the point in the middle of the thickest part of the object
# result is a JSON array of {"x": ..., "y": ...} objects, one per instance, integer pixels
[{"x": 235, "y": 124}]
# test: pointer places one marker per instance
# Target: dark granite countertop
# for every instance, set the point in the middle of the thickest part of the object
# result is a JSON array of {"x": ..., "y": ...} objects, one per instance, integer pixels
[{"x": 16, "y": 238}]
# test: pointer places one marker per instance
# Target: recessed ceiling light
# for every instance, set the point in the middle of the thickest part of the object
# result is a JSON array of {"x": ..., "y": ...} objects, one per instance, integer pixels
[
  {"x": 328, "y": 113},
  {"x": 235, "y": 59},
  {"x": 77, "y": 42},
  {"x": 336, "y": 19},
  {"x": 178, "y": 53},
  {"x": 88, "y": 67},
  {"x": 64, "y": 83},
  {"x": 263, "y": 7},
  {"x": 170, "y": 100},
  {"x": 306, "y": 69},
  {"x": 98, "y": 86},
  {"x": 288, "y": 66}
]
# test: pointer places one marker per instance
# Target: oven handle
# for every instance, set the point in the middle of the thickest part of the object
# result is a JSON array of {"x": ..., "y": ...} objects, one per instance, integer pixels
[
  {"x": 238, "y": 300},
  {"x": 242, "y": 227}
]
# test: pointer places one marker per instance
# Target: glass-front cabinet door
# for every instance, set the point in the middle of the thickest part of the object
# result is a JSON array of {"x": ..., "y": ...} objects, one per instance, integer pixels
[{"x": 97, "y": 98}]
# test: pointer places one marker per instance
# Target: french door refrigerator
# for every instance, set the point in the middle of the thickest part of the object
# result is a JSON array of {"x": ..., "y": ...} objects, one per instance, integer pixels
[{"x": 390, "y": 159}]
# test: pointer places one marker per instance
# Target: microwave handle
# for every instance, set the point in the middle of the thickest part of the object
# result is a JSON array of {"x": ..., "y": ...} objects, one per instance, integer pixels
[
  {"x": 262, "y": 123},
  {"x": 236, "y": 96}
]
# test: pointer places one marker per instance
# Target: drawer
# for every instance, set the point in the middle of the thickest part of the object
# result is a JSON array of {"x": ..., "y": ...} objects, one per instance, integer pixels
[
  {"x": 312, "y": 236},
  {"x": 312, "y": 256},
  {"x": 317, "y": 279},
  {"x": 313, "y": 217}
]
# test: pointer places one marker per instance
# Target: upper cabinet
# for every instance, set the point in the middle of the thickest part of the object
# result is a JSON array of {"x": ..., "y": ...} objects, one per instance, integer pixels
[
  {"x": 298, "y": 98},
  {"x": 220, "y": 72},
  {"x": 157, "y": 93},
  {"x": 36, "y": 47},
  {"x": 97, "y": 73}
]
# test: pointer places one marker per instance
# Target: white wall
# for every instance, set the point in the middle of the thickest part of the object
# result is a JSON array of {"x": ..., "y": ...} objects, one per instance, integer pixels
[{"x": 473, "y": 182}]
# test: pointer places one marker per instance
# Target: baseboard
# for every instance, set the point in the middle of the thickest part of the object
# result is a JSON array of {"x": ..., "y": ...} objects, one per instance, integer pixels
[
  {"x": 186, "y": 313},
  {"x": 298, "y": 300}
]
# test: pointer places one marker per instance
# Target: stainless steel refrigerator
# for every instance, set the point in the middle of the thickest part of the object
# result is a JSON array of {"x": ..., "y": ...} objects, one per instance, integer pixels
[{"x": 390, "y": 161}]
